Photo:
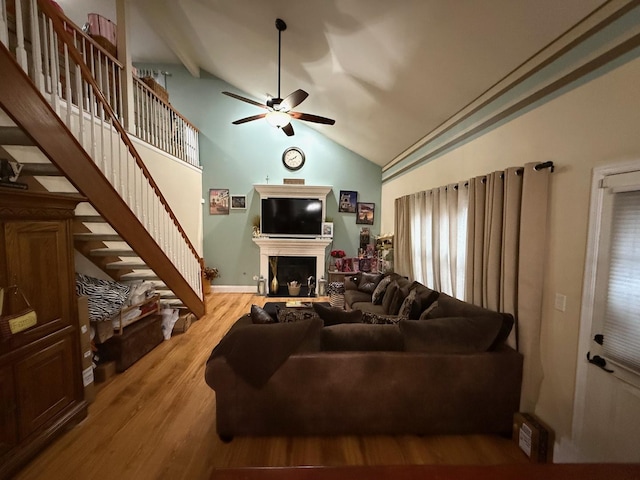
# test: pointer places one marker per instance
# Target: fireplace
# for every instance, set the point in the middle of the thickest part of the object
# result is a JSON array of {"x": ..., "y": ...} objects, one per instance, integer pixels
[
  {"x": 290, "y": 269},
  {"x": 312, "y": 249}
]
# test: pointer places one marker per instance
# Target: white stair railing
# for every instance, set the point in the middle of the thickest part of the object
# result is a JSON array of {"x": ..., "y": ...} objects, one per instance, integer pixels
[{"x": 82, "y": 83}]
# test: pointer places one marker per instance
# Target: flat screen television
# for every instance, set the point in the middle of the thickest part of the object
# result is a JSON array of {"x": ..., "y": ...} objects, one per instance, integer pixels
[{"x": 291, "y": 217}]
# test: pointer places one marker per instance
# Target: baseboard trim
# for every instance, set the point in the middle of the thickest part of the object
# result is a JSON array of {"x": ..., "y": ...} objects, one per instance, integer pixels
[{"x": 234, "y": 289}]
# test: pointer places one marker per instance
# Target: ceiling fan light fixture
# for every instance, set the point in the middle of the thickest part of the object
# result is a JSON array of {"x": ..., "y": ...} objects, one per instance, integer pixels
[{"x": 278, "y": 119}]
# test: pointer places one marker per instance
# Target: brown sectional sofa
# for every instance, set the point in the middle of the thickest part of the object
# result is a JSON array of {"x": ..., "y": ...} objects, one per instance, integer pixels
[{"x": 450, "y": 373}]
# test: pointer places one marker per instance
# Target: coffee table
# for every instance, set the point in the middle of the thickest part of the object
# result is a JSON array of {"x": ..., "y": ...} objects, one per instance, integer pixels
[{"x": 272, "y": 307}]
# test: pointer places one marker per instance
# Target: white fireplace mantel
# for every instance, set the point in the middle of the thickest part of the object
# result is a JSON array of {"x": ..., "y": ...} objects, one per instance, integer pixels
[{"x": 292, "y": 247}]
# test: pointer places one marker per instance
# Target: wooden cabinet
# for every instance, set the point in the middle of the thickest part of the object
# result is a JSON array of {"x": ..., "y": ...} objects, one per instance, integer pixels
[{"x": 41, "y": 389}]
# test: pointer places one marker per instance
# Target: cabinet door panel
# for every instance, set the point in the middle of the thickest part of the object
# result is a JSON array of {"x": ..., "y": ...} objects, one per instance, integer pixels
[
  {"x": 8, "y": 425},
  {"x": 44, "y": 385},
  {"x": 39, "y": 265}
]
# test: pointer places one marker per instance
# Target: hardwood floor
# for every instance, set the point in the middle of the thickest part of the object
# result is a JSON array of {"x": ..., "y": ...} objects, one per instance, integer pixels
[{"x": 157, "y": 420}]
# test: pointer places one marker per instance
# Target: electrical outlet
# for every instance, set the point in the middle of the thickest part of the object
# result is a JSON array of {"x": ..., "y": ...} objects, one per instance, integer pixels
[{"x": 561, "y": 302}]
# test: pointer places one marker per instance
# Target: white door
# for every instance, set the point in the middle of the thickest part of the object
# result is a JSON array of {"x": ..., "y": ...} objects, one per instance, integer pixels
[{"x": 606, "y": 425}]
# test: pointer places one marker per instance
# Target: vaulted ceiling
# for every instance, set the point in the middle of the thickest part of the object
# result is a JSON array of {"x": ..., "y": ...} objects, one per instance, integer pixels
[{"x": 388, "y": 72}]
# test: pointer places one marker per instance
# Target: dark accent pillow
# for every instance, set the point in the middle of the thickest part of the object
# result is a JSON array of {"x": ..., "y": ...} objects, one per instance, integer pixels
[
  {"x": 450, "y": 334},
  {"x": 388, "y": 296},
  {"x": 368, "y": 281},
  {"x": 379, "y": 319},
  {"x": 334, "y": 315},
  {"x": 398, "y": 298},
  {"x": 358, "y": 337},
  {"x": 425, "y": 295},
  {"x": 378, "y": 292},
  {"x": 410, "y": 307},
  {"x": 259, "y": 315},
  {"x": 425, "y": 315}
]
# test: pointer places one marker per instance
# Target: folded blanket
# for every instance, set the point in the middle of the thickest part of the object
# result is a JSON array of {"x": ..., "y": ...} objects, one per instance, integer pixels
[{"x": 256, "y": 351}]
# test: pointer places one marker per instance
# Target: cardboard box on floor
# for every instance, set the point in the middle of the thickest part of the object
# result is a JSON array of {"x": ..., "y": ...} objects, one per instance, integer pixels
[
  {"x": 533, "y": 437},
  {"x": 183, "y": 323}
]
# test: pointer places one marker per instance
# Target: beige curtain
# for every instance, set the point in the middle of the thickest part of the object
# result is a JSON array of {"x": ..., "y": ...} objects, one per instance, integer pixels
[
  {"x": 403, "y": 259},
  {"x": 505, "y": 256},
  {"x": 434, "y": 250}
]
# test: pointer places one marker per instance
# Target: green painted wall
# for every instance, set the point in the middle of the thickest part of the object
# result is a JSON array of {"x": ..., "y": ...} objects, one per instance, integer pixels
[{"x": 238, "y": 156}]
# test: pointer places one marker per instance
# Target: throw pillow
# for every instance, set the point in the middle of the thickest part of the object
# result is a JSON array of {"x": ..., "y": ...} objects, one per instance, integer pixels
[
  {"x": 334, "y": 316},
  {"x": 398, "y": 298},
  {"x": 379, "y": 319},
  {"x": 388, "y": 296},
  {"x": 358, "y": 337},
  {"x": 378, "y": 292},
  {"x": 410, "y": 306},
  {"x": 368, "y": 281},
  {"x": 427, "y": 311},
  {"x": 450, "y": 334},
  {"x": 259, "y": 315},
  {"x": 288, "y": 315}
]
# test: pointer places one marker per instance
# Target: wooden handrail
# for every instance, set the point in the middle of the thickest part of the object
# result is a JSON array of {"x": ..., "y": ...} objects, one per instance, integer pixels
[{"x": 62, "y": 33}]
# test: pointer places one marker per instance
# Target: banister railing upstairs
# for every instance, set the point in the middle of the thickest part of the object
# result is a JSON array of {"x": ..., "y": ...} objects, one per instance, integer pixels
[
  {"x": 157, "y": 123},
  {"x": 45, "y": 45}
]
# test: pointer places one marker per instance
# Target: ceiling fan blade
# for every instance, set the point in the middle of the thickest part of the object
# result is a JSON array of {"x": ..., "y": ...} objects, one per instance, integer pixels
[
  {"x": 312, "y": 118},
  {"x": 249, "y": 119},
  {"x": 288, "y": 129},
  {"x": 293, "y": 100},
  {"x": 248, "y": 100}
]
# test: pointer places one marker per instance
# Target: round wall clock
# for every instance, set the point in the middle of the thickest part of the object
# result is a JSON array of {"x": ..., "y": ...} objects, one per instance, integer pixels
[{"x": 293, "y": 158}]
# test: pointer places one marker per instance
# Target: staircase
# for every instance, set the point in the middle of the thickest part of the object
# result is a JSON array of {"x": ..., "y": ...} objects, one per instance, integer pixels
[{"x": 56, "y": 122}]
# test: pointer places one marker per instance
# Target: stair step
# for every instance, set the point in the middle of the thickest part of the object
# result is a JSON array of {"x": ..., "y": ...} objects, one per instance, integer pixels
[
  {"x": 97, "y": 237},
  {"x": 14, "y": 136},
  {"x": 148, "y": 276},
  {"x": 124, "y": 265},
  {"x": 40, "y": 169},
  {"x": 89, "y": 218},
  {"x": 112, "y": 252}
]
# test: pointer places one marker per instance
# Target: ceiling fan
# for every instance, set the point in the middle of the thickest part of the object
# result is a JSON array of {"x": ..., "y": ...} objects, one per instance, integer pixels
[{"x": 279, "y": 111}]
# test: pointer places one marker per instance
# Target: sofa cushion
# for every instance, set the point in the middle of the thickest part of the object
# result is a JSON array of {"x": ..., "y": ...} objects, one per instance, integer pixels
[
  {"x": 361, "y": 337},
  {"x": 335, "y": 316},
  {"x": 452, "y": 307},
  {"x": 367, "y": 282},
  {"x": 369, "y": 307},
  {"x": 256, "y": 351},
  {"x": 451, "y": 334},
  {"x": 354, "y": 296},
  {"x": 378, "y": 292},
  {"x": 260, "y": 315},
  {"x": 388, "y": 296}
]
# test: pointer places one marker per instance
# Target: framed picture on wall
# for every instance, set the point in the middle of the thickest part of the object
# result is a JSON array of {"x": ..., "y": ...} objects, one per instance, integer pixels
[
  {"x": 347, "y": 201},
  {"x": 365, "y": 213},
  {"x": 238, "y": 202},
  {"x": 219, "y": 201},
  {"x": 327, "y": 229}
]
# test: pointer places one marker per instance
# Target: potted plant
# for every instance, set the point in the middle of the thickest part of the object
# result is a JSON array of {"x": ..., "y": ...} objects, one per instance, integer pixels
[{"x": 209, "y": 274}]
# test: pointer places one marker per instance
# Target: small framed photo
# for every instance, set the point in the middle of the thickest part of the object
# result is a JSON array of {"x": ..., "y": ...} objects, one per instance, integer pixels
[
  {"x": 365, "y": 213},
  {"x": 219, "y": 201},
  {"x": 347, "y": 202},
  {"x": 327, "y": 229},
  {"x": 238, "y": 202}
]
